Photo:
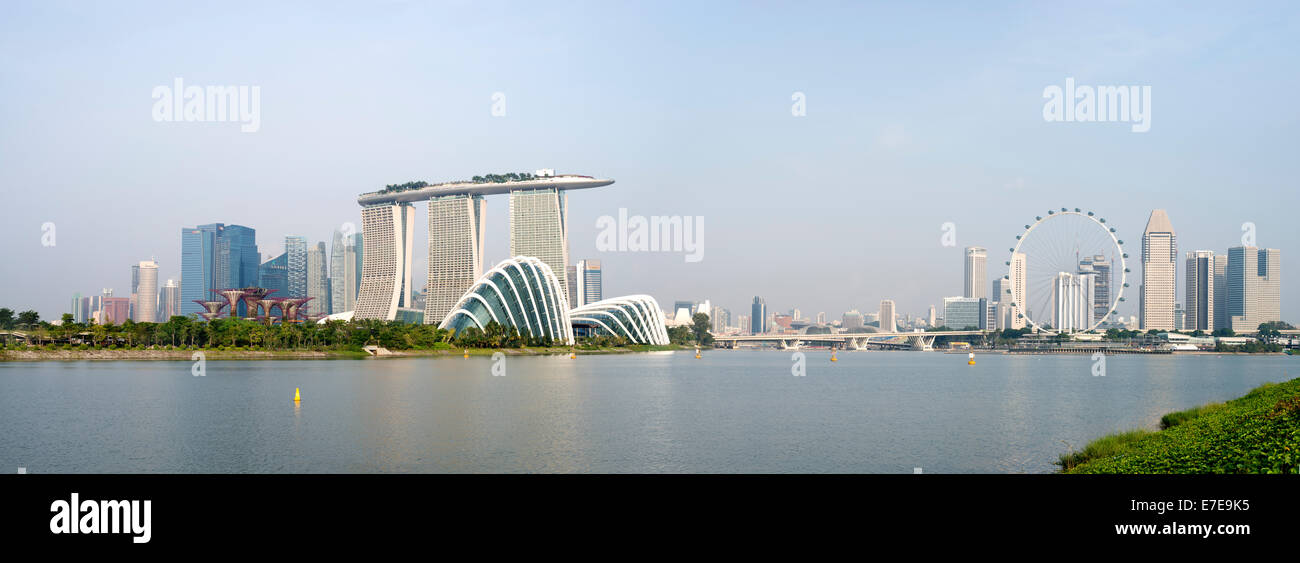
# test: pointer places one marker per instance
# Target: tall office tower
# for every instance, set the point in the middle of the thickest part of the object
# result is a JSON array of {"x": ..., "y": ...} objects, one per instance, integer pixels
[
  {"x": 720, "y": 319},
  {"x": 456, "y": 234},
  {"x": 1159, "y": 273},
  {"x": 1072, "y": 301},
  {"x": 76, "y": 308},
  {"x": 539, "y": 227},
  {"x": 821, "y": 317},
  {"x": 296, "y": 249},
  {"x": 1018, "y": 292},
  {"x": 358, "y": 261},
  {"x": 169, "y": 301},
  {"x": 1221, "y": 292},
  {"x": 888, "y": 318},
  {"x": 87, "y": 306},
  {"x": 571, "y": 274},
  {"x": 318, "y": 281},
  {"x": 146, "y": 294},
  {"x": 216, "y": 256},
  {"x": 758, "y": 316},
  {"x": 274, "y": 275},
  {"x": 1199, "y": 289},
  {"x": 1100, "y": 268},
  {"x": 586, "y": 277},
  {"x": 976, "y": 272},
  {"x": 345, "y": 273},
  {"x": 1180, "y": 316},
  {"x": 1254, "y": 280},
  {"x": 930, "y": 320},
  {"x": 389, "y": 231}
]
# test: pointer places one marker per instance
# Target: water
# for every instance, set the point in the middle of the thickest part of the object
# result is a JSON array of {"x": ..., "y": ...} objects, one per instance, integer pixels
[{"x": 732, "y": 411}]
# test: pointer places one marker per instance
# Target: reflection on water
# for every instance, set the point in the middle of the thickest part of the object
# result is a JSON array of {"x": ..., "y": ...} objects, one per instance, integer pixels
[{"x": 730, "y": 411}]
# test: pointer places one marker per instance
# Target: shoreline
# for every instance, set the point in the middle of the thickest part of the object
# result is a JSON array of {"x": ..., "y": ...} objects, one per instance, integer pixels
[{"x": 217, "y": 354}]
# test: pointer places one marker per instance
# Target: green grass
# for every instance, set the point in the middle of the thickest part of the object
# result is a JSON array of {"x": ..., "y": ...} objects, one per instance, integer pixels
[{"x": 1256, "y": 433}]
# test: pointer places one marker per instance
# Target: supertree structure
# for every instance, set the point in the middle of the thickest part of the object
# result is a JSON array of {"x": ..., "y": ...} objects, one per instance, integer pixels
[
  {"x": 232, "y": 297},
  {"x": 211, "y": 309},
  {"x": 265, "y": 305},
  {"x": 253, "y": 296},
  {"x": 289, "y": 307}
]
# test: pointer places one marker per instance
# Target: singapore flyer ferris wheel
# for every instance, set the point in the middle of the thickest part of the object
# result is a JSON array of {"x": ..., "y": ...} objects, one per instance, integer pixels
[{"x": 1067, "y": 273}]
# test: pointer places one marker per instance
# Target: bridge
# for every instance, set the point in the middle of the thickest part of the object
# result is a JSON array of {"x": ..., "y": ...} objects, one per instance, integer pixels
[{"x": 846, "y": 341}]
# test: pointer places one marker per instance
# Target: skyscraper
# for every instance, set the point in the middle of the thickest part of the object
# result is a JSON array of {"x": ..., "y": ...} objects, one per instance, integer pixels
[
  {"x": 216, "y": 256},
  {"x": 1100, "y": 268},
  {"x": 77, "y": 314},
  {"x": 1018, "y": 292},
  {"x": 146, "y": 294},
  {"x": 1199, "y": 288},
  {"x": 389, "y": 230},
  {"x": 169, "y": 301},
  {"x": 587, "y": 280},
  {"x": 296, "y": 249},
  {"x": 888, "y": 318},
  {"x": 457, "y": 230},
  {"x": 1254, "y": 280},
  {"x": 345, "y": 272},
  {"x": 274, "y": 274},
  {"x": 758, "y": 316},
  {"x": 976, "y": 272},
  {"x": 318, "y": 281},
  {"x": 1221, "y": 292},
  {"x": 539, "y": 227},
  {"x": 1159, "y": 273}
]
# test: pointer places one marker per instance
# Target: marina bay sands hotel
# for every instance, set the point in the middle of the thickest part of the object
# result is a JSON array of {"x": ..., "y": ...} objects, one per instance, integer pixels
[{"x": 538, "y": 228}]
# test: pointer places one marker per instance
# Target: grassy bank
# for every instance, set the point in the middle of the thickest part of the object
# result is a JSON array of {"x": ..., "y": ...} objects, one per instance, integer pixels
[
  {"x": 162, "y": 354},
  {"x": 1256, "y": 433}
]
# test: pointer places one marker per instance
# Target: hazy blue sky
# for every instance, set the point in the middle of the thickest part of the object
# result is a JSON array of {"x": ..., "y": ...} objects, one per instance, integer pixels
[{"x": 917, "y": 115}]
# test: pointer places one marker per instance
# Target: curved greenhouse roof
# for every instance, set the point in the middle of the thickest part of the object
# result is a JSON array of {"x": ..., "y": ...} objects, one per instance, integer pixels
[
  {"x": 521, "y": 292},
  {"x": 634, "y": 317}
]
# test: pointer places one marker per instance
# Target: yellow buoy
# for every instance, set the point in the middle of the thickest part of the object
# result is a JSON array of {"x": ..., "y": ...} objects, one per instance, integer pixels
[
  {"x": 697, "y": 353},
  {"x": 833, "y": 359},
  {"x": 297, "y": 394},
  {"x": 467, "y": 352},
  {"x": 970, "y": 359},
  {"x": 573, "y": 355}
]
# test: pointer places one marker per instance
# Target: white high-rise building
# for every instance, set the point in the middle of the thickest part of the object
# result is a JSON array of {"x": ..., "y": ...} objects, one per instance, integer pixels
[
  {"x": 1199, "y": 288},
  {"x": 976, "y": 273},
  {"x": 1159, "y": 273},
  {"x": 389, "y": 231},
  {"x": 457, "y": 230},
  {"x": 345, "y": 271},
  {"x": 1221, "y": 292},
  {"x": 587, "y": 287},
  {"x": 146, "y": 296},
  {"x": 1017, "y": 292},
  {"x": 1072, "y": 301},
  {"x": 318, "y": 281},
  {"x": 1254, "y": 280},
  {"x": 169, "y": 301},
  {"x": 888, "y": 316},
  {"x": 295, "y": 249},
  {"x": 539, "y": 227}
]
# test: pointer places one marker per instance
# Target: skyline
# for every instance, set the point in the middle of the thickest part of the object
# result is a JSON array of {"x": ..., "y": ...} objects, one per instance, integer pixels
[{"x": 924, "y": 132}]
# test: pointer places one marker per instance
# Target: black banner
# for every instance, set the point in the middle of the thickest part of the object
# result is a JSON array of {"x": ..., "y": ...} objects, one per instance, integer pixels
[{"x": 317, "y": 511}]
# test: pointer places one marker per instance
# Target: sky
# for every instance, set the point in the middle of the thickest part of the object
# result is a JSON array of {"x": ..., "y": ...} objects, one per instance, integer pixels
[{"x": 916, "y": 115}]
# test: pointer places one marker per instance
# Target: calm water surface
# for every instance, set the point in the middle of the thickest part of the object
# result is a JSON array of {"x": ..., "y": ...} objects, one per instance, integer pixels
[{"x": 732, "y": 411}]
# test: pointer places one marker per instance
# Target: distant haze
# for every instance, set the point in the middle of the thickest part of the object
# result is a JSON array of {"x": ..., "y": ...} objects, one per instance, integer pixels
[{"x": 915, "y": 116}]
